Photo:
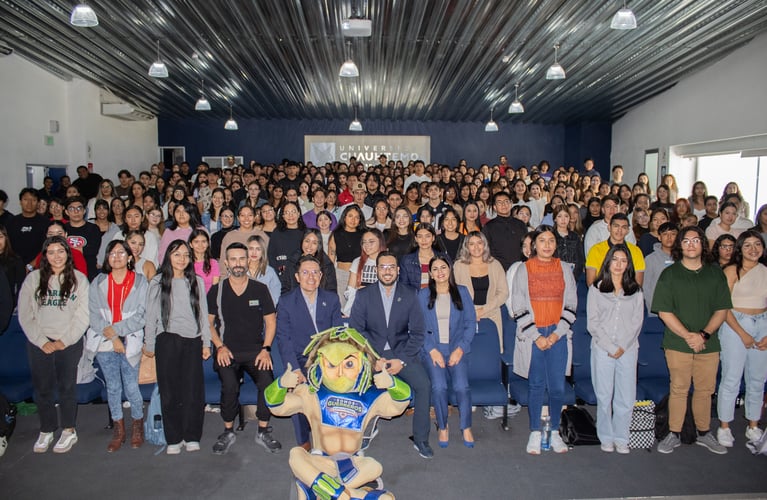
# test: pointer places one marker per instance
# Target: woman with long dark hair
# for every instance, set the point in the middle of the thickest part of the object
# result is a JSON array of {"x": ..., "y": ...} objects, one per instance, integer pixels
[
  {"x": 414, "y": 267},
  {"x": 544, "y": 302},
  {"x": 285, "y": 239},
  {"x": 450, "y": 325},
  {"x": 311, "y": 244},
  {"x": 363, "y": 271},
  {"x": 449, "y": 237},
  {"x": 346, "y": 244},
  {"x": 178, "y": 333},
  {"x": 53, "y": 312},
  {"x": 185, "y": 219},
  {"x": 401, "y": 236},
  {"x": 117, "y": 312},
  {"x": 615, "y": 311},
  {"x": 205, "y": 265}
]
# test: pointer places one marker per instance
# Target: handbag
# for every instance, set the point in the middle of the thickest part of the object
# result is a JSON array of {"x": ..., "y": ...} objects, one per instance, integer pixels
[
  {"x": 147, "y": 370},
  {"x": 642, "y": 427},
  {"x": 577, "y": 427}
]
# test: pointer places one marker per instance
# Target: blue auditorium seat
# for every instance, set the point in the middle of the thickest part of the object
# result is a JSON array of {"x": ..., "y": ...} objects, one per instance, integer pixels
[
  {"x": 584, "y": 388},
  {"x": 485, "y": 368},
  {"x": 652, "y": 371},
  {"x": 15, "y": 376}
]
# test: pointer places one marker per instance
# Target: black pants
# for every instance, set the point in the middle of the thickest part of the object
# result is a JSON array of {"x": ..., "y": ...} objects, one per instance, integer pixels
[
  {"x": 416, "y": 377},
  {"x": 51, "y": 373},
  {"x": 182, "y": 392},
  {"x": 230, "y": 387}
]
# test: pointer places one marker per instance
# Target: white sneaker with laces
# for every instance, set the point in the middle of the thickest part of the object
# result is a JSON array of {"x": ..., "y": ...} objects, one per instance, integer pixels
[
  {"x": 66, "y": 441},
  {"x": 753, "y": 433},
  {"x": 174, "y": 449},
  {"x": 607, "y": 447},
  {"x": 622, "y": 449},
  {"x": 534, "y": 443},
  {"x": 44, "y": 440},
  {"x": 192, "y": 445},
  {"x": 724, "y": 436},
  {"x": 557, "y": 445}
]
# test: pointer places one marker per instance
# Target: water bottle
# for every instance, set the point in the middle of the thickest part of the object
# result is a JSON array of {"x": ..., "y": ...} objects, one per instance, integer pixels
[
  {"x": 545, "y": 433},
  {"x": 157, "y": 422}
]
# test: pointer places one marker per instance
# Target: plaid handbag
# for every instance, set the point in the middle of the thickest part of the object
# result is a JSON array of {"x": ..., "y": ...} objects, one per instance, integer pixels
[{"x": 642, "y": 428}]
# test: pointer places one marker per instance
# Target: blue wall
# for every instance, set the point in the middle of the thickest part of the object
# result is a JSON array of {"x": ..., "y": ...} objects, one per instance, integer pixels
[{"x": 269, "y": 141}]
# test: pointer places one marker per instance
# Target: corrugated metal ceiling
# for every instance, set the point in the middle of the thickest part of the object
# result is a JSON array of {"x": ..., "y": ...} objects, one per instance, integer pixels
[{"x": 448, "y": 60}]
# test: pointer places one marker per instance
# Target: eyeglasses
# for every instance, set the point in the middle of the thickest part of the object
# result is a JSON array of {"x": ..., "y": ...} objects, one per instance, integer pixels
[
  {"x": 387, "y": 267},
  {"x": 290, "y": 212},
  {"x": 78, "y": 208},
  {"x": 311, "y": 272},
  {"x": 118, "y": 254},
  {"x": 691, "y": 241},
  {"x": 726, "y": 247},
  {"x": 503, "y": 202}
]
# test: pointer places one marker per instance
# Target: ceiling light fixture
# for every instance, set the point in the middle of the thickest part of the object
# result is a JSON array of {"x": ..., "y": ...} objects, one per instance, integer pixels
[
  {"x": 348, "y": 68},
  {"x": 555, "y": 71},
  {"x": 516, "y": 106},
  {"x": 230, "y": 123},
  {"x": 491, "y": 126},
  {"x": 158, "y": 69},
  {"x": 355, "y": 125},
  {"x": 83, "y": 16},
  {"x": 202, "y": 104},
  {"x": 624, "y": 19}
]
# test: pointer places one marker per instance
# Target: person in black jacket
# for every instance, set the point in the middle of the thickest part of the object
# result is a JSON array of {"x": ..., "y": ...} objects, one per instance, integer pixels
[
  {"x": 569, "y": 243},
  {"x": 504, "y": 233}
]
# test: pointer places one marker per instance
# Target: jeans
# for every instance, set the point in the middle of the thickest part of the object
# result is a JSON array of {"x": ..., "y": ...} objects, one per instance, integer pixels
[
  {"x": 547, "y": 372},
  {"x": 121, "y": 376},
  {"x": 614, "y": 383},
  {"x": 459, "y": 379},
  {"x": 415, "y": 376},
  {"x": 736, "y": 360},
  {"x": 51, "y": 373},
  {"x": 700, "y": 369}
]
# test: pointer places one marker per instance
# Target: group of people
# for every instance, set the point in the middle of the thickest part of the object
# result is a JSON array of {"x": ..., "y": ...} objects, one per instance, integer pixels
[{"x": 183, "y": 265}]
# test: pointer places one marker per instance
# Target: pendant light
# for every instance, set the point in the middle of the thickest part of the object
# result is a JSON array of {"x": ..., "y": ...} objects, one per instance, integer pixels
[
  {"x": 158, "y": 68},
  {"x": 355, "y": 125},
  {"x": 349, "y": 69},
  {"x": 624, "y": 19},
  {"x": 83, "y": 16},
  {"x": 230, "y": 123},
  {"x": 491, "y": 126},
  {"x": 555, "y": 71},
  {"x": 516, "y": 106},
  {"x": 202, "y": 104}
]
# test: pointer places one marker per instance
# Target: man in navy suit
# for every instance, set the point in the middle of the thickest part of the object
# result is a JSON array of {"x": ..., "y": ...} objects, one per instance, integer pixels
[
  {"x": 389, "y": 316},
  {"x": 301, "y": 313}
]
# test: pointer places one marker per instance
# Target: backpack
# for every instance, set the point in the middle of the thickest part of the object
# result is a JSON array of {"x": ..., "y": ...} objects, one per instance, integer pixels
[
  {"x": 758, "y": 447},
  {"x": 7, "y": 417},
  {"x": 577, "y": 427},
  {"x": 154, "y": 431},
  {"x": 688, "y": 435}
]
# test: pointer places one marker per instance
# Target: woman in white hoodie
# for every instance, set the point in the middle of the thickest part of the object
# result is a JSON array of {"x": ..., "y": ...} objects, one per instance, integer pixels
[{"x": 53, "y": 312}]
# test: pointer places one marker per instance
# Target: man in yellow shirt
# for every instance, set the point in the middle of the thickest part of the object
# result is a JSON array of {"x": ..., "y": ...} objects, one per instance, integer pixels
[{"x": 619, "y": 228}]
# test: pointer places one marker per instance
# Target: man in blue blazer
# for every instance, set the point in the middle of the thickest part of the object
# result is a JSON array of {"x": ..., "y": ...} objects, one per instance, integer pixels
[
  {"x": 301, "y": 313},
  {"x": 389, "y": 316}
]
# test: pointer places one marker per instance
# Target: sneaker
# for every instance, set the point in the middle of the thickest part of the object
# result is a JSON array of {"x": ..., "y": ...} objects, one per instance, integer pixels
[
  {"x": 174, "y": 449},
  {"x": 65, "y": 442},
  {"x": 265, "y": 439},
  {"x": 668, "y": 443},
  {"x": 534, "y": 443},
  {"x": 492, "y": 412},
  {"x": 224, "y": 442},
  {"x": 709, "y": 441},
  {"x": 557, "y": 445},
  {"x": 423, "y": 449},
  {"x": 622, "y": 448},
  {"x": 607, "y": 447},
  {"x": 513, "y": 410},
  {"x": 3, "y": 445},
  {"x": 192, "y": 445},
  {"x": 753, "y": 433},
  {"x": 44, "y": 440},
  {"x": 725, "y": 438}
]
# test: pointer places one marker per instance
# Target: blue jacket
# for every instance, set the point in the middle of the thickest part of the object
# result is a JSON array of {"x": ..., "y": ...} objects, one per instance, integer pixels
[
  {"x": 463, "y": 324},
  {"x": 405, "y": 330},
  {"x": 410, "y": 268},
  {"x": 295, "y": 327}
]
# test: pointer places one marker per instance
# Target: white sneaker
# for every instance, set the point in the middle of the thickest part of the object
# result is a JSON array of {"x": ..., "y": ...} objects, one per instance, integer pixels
[
  {"x": 3, "y": 445},
  {"x": 622, "y": 449},
  {"x": 725, "y": 438},
  {"x": 557, "y": 445},
  {"x": 65, "y": 442},
  {"x": 534, "y": 443},
  {"x": 192, "y": 445},
  {"x": 174, "y": 449},
  {"x": 44, "y": 440},
  {"x": 607, "y": 447},
  {"x": 753, "y": 433}
]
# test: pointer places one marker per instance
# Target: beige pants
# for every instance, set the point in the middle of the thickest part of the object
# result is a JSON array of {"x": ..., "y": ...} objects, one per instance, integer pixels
[
  {"x": 700, "y": 369},
  {"x": 342, "y": 281}
]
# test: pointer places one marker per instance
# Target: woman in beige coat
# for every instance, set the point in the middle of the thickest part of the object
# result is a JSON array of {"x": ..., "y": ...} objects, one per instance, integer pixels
[{"x": 484, "y": 277}]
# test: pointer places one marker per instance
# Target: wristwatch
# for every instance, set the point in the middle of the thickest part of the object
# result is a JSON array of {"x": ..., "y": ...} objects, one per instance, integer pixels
[
  {"x": 266, "y": 348},
  {"x": 704, "y": 334}
]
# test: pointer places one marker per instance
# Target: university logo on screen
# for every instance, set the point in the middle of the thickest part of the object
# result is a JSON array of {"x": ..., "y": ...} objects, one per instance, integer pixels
[{"x": 321, "y": 149}]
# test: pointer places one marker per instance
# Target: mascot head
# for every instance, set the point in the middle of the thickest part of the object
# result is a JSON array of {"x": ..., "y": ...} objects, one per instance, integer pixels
[{"x": 340, "y": 359}]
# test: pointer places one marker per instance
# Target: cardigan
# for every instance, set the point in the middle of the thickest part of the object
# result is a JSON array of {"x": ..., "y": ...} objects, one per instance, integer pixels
[{"x": 497, "y": 292}]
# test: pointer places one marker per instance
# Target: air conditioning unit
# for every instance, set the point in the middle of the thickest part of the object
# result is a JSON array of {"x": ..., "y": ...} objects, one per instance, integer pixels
[
  {"x": 125, "y": 111},
  {"x": 356, "y": 27}
]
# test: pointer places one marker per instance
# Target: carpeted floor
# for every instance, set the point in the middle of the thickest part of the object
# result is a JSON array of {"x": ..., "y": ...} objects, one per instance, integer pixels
[{"x": 497, "y": 468}]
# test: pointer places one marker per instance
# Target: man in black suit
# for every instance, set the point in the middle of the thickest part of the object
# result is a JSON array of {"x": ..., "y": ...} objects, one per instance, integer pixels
[{"x": 389, "y": 316}]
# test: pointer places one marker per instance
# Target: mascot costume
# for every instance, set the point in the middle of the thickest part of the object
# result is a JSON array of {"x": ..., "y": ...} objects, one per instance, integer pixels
[{"x": 339, "y": 401}]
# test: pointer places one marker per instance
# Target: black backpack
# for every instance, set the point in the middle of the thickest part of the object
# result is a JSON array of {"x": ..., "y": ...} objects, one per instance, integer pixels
[
  {"x": 7, "y": 417},
  {"x": 688, "y": 435}
]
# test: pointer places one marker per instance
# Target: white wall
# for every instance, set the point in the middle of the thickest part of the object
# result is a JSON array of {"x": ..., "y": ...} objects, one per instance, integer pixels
[
  {"x": 30, "y": 97},
  {"x": 683, "y": 114}
]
